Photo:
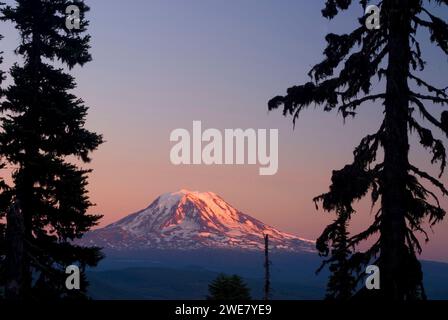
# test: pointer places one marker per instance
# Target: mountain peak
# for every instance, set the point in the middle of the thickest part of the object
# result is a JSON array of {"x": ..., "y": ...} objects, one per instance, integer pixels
[
  {"x": 182, "y": 196},
  {"x": 189, "y": 220},
  {"x": 196, "y": 194},
  {"x": 186, "y": 192}
]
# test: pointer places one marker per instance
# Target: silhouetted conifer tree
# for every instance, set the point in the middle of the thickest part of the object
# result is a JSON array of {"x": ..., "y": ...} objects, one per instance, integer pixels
[
  {"x": 228, "y": 288},
  {"x": 42, "y": 131},
  {"x": 2, "y": 225},
  {"x": 2, "y": 73},
  {"x": 343, "y": 81},
  {"x": 341, "y": 284}
]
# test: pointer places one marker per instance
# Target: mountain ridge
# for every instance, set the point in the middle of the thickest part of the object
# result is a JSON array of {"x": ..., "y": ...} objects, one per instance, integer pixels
[{"x": 191, "y": 220}]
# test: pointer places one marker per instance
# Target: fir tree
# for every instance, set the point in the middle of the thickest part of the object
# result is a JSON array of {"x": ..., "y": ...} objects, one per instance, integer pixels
[
  {"x": 341, "y": 284},
  {"x": 343, "y": 81},
  {"x": 228, "y": 288},
  {"x": 2, "y": 73},
  {"x": 2, "y": 225},
  {"x": 43, "y": 130},
  {"x": 4, "y": 198}
]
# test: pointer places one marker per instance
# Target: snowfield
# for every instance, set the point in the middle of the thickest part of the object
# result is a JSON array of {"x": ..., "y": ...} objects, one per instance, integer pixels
[{"x": 191, "y": 220}]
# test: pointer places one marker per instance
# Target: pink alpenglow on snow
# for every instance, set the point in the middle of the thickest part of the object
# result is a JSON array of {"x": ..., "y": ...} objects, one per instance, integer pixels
[{"x": 192, "y": 220}]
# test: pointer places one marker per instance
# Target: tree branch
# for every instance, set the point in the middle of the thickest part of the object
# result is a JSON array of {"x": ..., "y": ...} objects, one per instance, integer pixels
[
  {"x": 430, "y": 88},
  {"x": 355, "y": 103},
  {"x": 438, "y": 29},
  {"x": 426, "y": 113},
  {"x": 430, "y": 178},
  {"x": 437, "y": 100}
]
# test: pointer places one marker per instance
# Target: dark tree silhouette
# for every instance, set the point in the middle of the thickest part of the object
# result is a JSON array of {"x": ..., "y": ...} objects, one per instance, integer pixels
[
  {"x": 391, "y": 53},
  {"x": 4, "y": 202},
  {"x": 267, "y": 267},
  {"x": 228, "y": 288},
  {"x": 43, "y": 138},
  {"x": 2, "y": 225},
  {"x": 2, "y": 73},
  {"x": 14, "y": 253},
  {"x": 342, "y": 283}
]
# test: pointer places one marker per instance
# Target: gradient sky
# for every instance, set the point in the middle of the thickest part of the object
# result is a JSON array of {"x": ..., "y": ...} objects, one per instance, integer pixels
[{"x": 159, "y": 65}]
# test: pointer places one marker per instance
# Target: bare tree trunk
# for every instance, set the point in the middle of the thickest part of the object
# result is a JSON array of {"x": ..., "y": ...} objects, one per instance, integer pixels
[
  {"x": 267, "y": 276},
  {"x": 15, "y": 230},
  {"x": 394, "y": 253}
]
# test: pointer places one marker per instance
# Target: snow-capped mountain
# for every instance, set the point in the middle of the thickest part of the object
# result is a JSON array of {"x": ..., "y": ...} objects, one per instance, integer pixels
[{"x": 192, "y": 220}]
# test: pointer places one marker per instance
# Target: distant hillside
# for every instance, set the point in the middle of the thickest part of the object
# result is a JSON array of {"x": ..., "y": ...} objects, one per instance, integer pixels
[
  {"x": 171, "y": 274},
  {"x": 189, "y": 284}
]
